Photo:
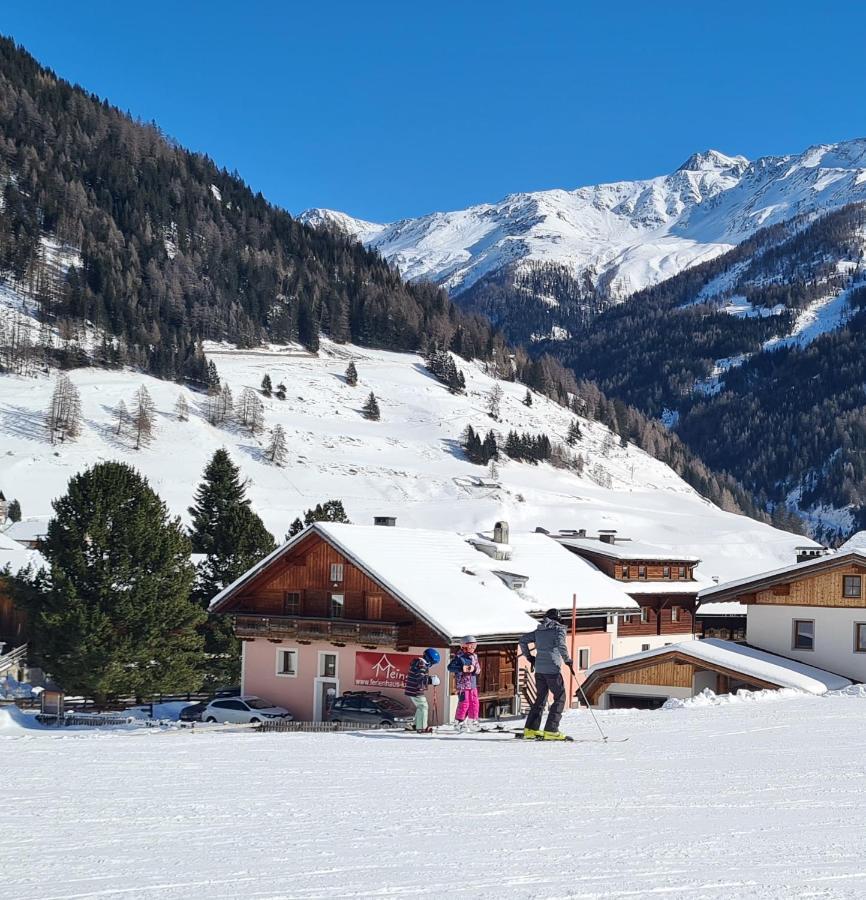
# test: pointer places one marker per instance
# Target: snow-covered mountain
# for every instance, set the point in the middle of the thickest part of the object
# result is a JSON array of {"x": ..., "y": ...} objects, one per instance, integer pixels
[{"x": 622, "y": 236}]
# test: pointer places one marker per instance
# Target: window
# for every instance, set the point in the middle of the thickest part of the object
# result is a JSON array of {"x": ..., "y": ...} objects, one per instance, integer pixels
[
  {"x": 666, "y": 571},
  {"x": 644, "y": 647},
  {"x": 682, "y": 572},
  {"x": 851, "y": 586},
  {"x": 675, "y": 614},
  {"x": 229, "y": 704},
  {"x": 327, "y": 665},
  {"x": 338, "y": 606},
  {"x": 860, "y": 637},
  {"x": 336, "y": 571},
  {"x": 583, "y": 658},
  {"x": 287, "y": 663},
  {"x": 644, "y": 615},
  {"x": 373, "y": 605},
  {"x": 641, "y": 572},
  {"x": 804, "y": 634},
  {"x": 625, "y": 572},
  {"x": 292, "y": 603}
]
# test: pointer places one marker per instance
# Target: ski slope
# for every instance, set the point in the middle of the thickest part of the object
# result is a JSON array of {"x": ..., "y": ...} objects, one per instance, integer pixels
[
  {"x": 736, "y": 799},
  {"x": 408, "y": 465}
]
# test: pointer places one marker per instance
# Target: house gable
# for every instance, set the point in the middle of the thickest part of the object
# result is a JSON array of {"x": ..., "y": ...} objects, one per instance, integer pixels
[{"x": 297, "y": 581}]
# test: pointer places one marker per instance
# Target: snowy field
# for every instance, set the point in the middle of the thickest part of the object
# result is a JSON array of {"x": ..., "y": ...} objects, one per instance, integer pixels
[
  {"x": 409, "y": 464},
  {"x": 759, "y": 799}
]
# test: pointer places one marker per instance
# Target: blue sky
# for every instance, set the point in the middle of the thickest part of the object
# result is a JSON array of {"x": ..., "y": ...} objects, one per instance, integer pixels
[{"x": 392, "y": 109}]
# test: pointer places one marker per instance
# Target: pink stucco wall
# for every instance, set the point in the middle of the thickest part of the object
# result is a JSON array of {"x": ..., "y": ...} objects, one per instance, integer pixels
[{"x": 298, "y": 693}]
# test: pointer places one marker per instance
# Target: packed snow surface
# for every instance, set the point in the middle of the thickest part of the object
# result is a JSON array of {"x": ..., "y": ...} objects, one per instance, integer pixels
[
  {"x": 626, "y": 235},
  {"x": 407, "y": 465},
  {"x": 761, "y": 799}
]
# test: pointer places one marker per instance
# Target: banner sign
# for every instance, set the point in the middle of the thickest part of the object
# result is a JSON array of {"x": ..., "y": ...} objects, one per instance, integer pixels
[{"x": 382, "y": 670}]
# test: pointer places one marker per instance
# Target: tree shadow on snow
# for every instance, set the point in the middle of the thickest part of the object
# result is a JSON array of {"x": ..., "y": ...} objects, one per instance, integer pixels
[{"x": 24, "y": 423}]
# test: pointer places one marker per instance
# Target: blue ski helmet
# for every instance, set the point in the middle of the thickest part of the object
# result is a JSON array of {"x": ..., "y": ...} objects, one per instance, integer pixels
[{"x": 432, "y": 656}]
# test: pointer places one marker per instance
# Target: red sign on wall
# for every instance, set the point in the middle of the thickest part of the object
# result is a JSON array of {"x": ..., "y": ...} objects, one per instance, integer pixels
[{"x": 382, "y": 669}]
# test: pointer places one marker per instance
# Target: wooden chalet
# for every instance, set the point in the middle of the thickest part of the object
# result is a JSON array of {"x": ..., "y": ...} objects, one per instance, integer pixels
[
  {"x": 662, "y": 582},
  {"x": 813, "y": 610}
]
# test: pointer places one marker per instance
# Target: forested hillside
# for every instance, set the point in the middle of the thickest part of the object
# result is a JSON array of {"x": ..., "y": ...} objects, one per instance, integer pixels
[
  {"x": 118, "y": 247},
  {"x": 757, "y": 356},
  {"x": 170, "y": 249}
]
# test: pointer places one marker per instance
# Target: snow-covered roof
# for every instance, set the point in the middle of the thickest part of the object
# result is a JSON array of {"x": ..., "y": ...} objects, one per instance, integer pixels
[
  {"x": 857, "y": 541},
  {"x": 748, "y": 661},
  {"x": 453, "y": 586},
  {"x": 28, "y": 529},
  {"x": 725, "y": 608},
  {"x": 17, "y": 556},
  {"x": 626, "y": 549},
  {"x": 665, "y": 587},
  {"x": 765, "y": 579}
]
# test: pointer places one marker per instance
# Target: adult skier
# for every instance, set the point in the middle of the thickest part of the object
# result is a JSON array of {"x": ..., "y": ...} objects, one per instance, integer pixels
[
  {"x": 550, "y": 653},
  {"x": 417, "y": 681}
]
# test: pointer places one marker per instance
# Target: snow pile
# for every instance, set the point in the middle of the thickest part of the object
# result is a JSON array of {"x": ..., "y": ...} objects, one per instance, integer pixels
[
  {"x": 710, "y": 698},
  {"x": 12, "y": 689},
  {"x": 854, "y": 690},
  {"x": 625, "y": 235}
]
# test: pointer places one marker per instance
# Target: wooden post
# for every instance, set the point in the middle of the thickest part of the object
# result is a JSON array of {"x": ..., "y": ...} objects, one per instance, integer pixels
[{"x": 573, "y": 635}]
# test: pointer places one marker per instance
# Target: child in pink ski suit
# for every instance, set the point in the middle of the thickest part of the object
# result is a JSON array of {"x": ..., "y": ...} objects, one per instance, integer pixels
[{"x": 466, "y": 670}]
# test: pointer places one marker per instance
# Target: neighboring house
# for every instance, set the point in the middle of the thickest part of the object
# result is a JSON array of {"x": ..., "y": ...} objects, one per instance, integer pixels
[
  {"x": 345, "y": 607},
  {"x": 30, "y": 532},
  {"x": 813, "y": 611},
  {"x": 661, "y": 581},
  {"x": 647, "y": 680}
]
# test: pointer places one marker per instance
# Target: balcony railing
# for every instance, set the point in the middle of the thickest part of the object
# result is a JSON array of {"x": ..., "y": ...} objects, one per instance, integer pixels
[{"x": 298, "y": 628}]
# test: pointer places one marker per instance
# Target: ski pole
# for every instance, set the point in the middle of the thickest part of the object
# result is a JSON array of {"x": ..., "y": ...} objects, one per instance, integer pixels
[{"x": 591, "y": 712}]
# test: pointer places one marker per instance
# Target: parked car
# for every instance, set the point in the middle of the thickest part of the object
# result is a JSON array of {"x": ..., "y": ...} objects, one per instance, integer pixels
[
  {"x": 371, "y": 708},
  {"x": 243, "y": 710},
  {"x": 192, "y": 713}
]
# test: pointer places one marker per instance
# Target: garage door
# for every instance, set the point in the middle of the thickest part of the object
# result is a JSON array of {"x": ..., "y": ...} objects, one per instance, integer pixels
[{"x": 628, "y": 701}]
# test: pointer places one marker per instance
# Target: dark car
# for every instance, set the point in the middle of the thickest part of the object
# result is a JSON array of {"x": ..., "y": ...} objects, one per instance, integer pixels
[{"x": 371, "y": 708}]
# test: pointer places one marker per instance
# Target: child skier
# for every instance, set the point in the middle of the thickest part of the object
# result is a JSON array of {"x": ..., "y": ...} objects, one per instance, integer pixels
[
  {"x": 417, "y": 681},
  {"x": 466, "y": 669}
]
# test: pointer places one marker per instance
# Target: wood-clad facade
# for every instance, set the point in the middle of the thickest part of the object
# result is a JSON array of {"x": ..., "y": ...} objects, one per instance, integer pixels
[
  {"x": 316, "y": 602},
  {"x": 814, "y": 612},
  {"x": 650, "y": 681}
]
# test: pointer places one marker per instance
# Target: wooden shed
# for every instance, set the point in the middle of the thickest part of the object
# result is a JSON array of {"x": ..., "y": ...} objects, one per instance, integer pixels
[{"x": 647, "y": 680}]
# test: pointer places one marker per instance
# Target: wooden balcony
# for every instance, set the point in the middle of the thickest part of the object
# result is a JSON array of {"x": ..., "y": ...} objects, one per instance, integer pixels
[{"x": 303, "y": 629}]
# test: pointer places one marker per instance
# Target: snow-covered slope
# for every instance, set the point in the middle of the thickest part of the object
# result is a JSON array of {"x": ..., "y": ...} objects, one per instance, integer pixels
[
  {"x": 408, "y": 464},
  {"x": 626, "y": 235}
]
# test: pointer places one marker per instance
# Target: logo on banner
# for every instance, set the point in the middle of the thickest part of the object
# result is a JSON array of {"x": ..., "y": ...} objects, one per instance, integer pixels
[{"x": 382, "y": 670}]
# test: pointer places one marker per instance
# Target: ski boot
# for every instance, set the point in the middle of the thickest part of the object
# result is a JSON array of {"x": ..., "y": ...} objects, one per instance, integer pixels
[
  {"x": 552, "y": 736},
  {"x": 472, "y": 725},
  {"x": 460, "y": 727},
  {"x": 531, "y": 734}
]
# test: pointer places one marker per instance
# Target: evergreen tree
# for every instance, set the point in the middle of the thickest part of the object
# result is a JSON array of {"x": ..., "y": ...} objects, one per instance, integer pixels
[
  {"x": 281, "y": 391},
  {"x": 267, "y": 387},
  {"x": 112, "y": 615},
  {"x": 574, "y": 433},
  {"x": 351, "y": 374},
  {"x": 234, "y": 538},
  {"x": 527, "y": 400},
  {"x": 213, "y": 378},
  {"x": 328, "y": 511},
  {"x": 490, "y": 449},
  {"x": 278, "y": 450},
  {"x": 295, "y": 528},
  {"x": 14, "y": 511},
  {"x": 371, "y": 408}
]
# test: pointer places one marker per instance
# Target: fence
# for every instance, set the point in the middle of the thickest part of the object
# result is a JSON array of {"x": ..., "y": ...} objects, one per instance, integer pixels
[
  {"x": 94, "y": 720},
  {"x": 118, "y": 704},
  {"x": 316, "y": 727}
]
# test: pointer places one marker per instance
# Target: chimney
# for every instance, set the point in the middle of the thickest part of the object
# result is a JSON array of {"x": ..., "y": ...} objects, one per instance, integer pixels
[
  {"x": 500, "y": 533},
  {"x": 385, "y": 521},
  {"x": 804, "y": 554},
  {"x": 581, "y": 532},
  {"x": 607, "y": 536}
]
